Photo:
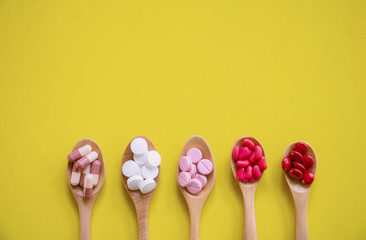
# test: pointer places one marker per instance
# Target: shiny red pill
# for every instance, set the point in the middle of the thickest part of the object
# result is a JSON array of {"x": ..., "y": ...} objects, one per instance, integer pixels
[
  {"x": 236, "y": 153},
  {"x": 295, "y": 173},
  {"x": 258, "y": 152},
  {"x": 242, "y": 163},
  {"x": 240, "y": 174},
  {"x": 295, "y": 156},
  {"x": 262, "y": 163},
  {"x": 248, "y": 143},
  {"x": 257, "y": 172},
  {"x": 252, "y": 157},
  {"x": 301, "y": 147},
  {"x": 245, "y": 179},
  {"x": 299, "y": 166},
  {"x": 286, "y": 163},
  {"x": 249, "y": 172},
  {"x": 308, "y": 177},
  {"x": 307, "y": 161},
  {"x": 244, "y": 153}
]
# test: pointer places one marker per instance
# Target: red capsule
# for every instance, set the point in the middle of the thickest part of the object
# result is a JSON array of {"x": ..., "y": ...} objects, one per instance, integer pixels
[
  {"x": 295, "y": 173},
  {"x": 258, "y": 152},
  {"x": 262, "y": 163},
  {"x": 295, "y": 156},
  {"x": 236, "y": 153},
  {"x": 245, "y": 179},
  {"x": 252, "y": 179},
  {"x": 240, "y": 174},
  {"x": 257, "y": 172},
  {"x": 244, "y": 153},
  {"x": 301, "y": 147},
  {"x": 252, "y": 157},
  {"x": 308, "y": 177},
  {"x": 248, "y": 143},
  {"x": 249, "y": 172},
  {"x": 242, "y": 163},
  {"x": 299, "y": 166},
  {"x": 286, "y": 163},
  {"x": 307, "y": 161}
]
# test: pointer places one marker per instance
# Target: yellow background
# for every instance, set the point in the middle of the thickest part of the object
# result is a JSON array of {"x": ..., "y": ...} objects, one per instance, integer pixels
[{"x": 281, "y": 71}]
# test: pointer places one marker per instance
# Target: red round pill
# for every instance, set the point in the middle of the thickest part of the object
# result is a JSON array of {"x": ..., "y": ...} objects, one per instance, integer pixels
[
  {"x": 286, "y": 164},
  {"x": 295, "y": 156},
  {"x": 308, "y": 177},
  {"x": 299, "y": 166},
  {"x": 295, "y": 173},
  {"x": 301, "y": 147},
  {"x": 307, "y": 161}
]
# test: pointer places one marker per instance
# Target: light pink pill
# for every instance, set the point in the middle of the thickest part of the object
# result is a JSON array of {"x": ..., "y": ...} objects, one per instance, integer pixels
[
  {"x": 244, "y": 153},
  {"x": 248, "y": 143},
  {"x": 205, "y": 166},
  {"x": 257, "y": 172},
  {"x": 193, "y": 170},
  {"x": 184, "y": 179},
  {"x": 202, "y": 179},
  {"x": 82, "y": 162},
  {"x": 185, "y": 163},
  {"x": 258, "y": 152},
  {"x": 95, "y": 170},
  {"x": 249, "y": 172},
  {"x": 78, "y": 153},
  {"x": 236, "y": 153},
  {"x": 195, "y": 186},
  {"x": 195, "y": 154},
  {"x": 252, "y": 157}
]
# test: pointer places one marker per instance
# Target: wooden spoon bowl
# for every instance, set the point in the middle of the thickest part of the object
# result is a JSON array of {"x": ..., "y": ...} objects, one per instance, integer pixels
[
  {"x": 248, "y": 191},
  {"x": 140, "y": 200},
  {"x": 195, "y": 202},
  {"x": 86, "y": 204},
  {"x": 300, "y": 194}
]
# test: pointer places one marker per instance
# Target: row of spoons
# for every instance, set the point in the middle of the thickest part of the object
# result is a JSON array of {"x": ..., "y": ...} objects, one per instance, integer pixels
[{"x": 195, "y": 202}]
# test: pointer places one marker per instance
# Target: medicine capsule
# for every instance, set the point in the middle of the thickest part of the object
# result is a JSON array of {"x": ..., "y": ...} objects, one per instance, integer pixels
[
  {"x": 78, "y": 153},
  {"x": 84, "y": 172},
  {"x": 88, "y": 186},
  {"x": 94, "y": 171},
  {"x": 75, "y": 175},
  {"x": 81, "y": 163}
]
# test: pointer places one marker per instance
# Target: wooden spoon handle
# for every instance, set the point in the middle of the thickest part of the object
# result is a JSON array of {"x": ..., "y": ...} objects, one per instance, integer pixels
[
  {"x": 85, "y": 209},
  {"x": 250, "y": 227},
  {"x": 301, "y": 205},
  {"x": 195, "y": 215},
  {"x": 142, "y": 221}
]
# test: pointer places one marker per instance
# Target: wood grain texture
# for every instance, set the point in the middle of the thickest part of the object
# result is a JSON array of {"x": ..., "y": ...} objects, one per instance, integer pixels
[
  {"x": 195, "y": 202},
  {"x": 86, "y": 204},
  {"x": 300, "y": 194},
  {"x": 248, "y": 191},
  {"x": 141, "y": 201}
]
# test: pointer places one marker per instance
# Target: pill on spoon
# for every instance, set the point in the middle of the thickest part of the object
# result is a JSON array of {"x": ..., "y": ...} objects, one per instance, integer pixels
[
  {"x": 184, "y": 179},
  {"x": 82, "y": 162},
  {"x": 202, "y": 179},
  {"x": 195, "y": 154},
  {"x": 185, "y": 163},
  {"x": 193, "y": 170},
  {"x": 236, "y": 153},
  {"x": 141, "y": 158},
  {"x": 205, "y": 166},
  {"x": 148, "y": 172},
  {"x": 95, "y": 170},
  {"x": 258, "y": 152},
  {"x": 153, "y": 159},
  {"x": 78, "y": 153},
  {"x": 88, "y": 185},
  {"x": 85, "y": 171},
  {"x": 131, "y": 168},
  {"x": 147, "y": 185},
  {"x": 195, "y": 186},
  {"x": 133, "y": 183},
  {"x": 75, "y": 175},
  {"x": 138, "y": 146},
  {"x": 248, "y": 143}
]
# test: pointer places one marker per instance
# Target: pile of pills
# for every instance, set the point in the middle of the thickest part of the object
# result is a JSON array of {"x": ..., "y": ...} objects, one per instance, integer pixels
[
  {"x": 298, "y": 163},
  {"x": 144, "y": 167},
  {"x": 85, "y": 170},
  {"x": 194, "y": 170},
  {"x": 250, "y": 161}
]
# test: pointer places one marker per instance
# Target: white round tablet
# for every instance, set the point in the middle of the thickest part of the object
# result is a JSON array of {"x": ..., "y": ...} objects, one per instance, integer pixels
[
  {"x": 141, "y": 158},
  {"x": 147, "y": 172},
  {"x": 138, "y": 146},
  {"x": 131, "y": 168},
  {"x": 147, "y": 185},
  {"x": 153, "y": 159},
  {"x": 133, "y": 183}
]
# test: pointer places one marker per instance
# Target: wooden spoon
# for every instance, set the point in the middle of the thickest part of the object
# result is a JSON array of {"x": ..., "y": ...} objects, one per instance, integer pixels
[
  {"x": 86, "y": 204},
  {"x": 300, "y": 194},
  {"x": 195, "y": 201},
  {"x": 140, "y": 200},
  {"x": 248, "y": 191}
]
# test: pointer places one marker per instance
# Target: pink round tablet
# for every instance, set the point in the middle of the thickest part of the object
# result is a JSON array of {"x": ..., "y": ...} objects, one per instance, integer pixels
[
  {"x": 205, "y": 166},
  {"x": 202, "y": 179},
  {"x": 195, "y": 154},
  {"x": 193, "y": 170},
  {"x": 184, "y": 179},
  {"x": 185, "y": 163},
  {"x": 195, "y": 186}
]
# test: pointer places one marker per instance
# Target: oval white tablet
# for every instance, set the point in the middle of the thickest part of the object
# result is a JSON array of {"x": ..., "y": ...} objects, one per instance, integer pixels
[
  {"x": 153, "y": 159},
  {"x": 141, "y": 158},
  {"x": 131, "y": 168},
  {"x": 147, "y": 185},
  {"x": 138, "y": 146},
  {"x": 147, "y": 172},
  {"x": 133, "y": 183}
]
